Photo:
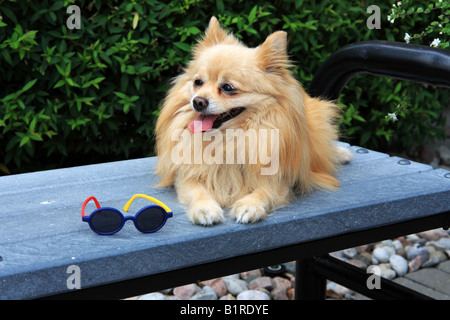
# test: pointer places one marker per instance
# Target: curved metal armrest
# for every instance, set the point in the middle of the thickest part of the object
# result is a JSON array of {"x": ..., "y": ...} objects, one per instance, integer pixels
[{"x": 381, "y": 58}]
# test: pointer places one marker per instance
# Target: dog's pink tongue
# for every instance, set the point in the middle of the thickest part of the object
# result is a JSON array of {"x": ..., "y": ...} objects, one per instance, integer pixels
[{"x": 202, "y": 123}]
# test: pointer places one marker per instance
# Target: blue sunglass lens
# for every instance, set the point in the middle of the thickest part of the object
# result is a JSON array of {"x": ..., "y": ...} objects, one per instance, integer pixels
[{"x": 106, "y": 221}]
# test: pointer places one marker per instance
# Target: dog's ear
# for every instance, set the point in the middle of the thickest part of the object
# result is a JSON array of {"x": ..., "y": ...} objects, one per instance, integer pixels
[
  {"x": 214, "y": 34},
  {"x": 272, "y": 53}
]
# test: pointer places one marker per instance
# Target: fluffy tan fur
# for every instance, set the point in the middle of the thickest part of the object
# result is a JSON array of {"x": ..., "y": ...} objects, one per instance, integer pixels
[{"x": 272, "y": 99}]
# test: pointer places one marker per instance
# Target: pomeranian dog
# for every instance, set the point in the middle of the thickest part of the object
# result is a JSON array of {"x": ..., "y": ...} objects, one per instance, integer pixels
[{"x": 238, "y": 132}]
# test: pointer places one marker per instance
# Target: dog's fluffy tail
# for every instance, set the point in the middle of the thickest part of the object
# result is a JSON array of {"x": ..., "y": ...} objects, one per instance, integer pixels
[{"x": 321, "y": 118}]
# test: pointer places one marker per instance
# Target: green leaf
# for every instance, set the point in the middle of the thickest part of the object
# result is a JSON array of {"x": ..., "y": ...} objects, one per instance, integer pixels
[
  {"x": 144, "y": 69},
  {"x": 220, "y": 6},
  {"x": 36, "y": 136},
  {"x": 29, "y": 85},
  {"x": 193, "y": 30},
  {"x": 9, "y": 14},
  {"x": 59, "y": 84},
  {"x": 7, "y": 57},
  {"x": 252, "y": 15},
  {"x": 137, "y": 82},
  {"x": 126, "y": 107},
  {"x": 183, "y": 46},
  {"x": 24, "y": 140},
  {"x": 68, "y": 68},
  {"x": 121, "y": 95},
  {"x": 11, "y": 96},
  {"x": 365, "y": 137},
  {"x": 98, "y": 80},
  {"x": 72, "y": 83},
  {"x": 359, "y": 118},
  {"x": 60, "y": 70},
  {"x": 33, "y": 124},
  {"x": 398, "y": 87}
]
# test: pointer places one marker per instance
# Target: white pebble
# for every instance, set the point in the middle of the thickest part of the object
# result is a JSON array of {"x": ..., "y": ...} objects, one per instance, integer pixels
[
  {"x": 397, "y": 245},
  {"x": 443, "y": 243},
  {"x": 381, "y": 254},
  {"x": 153, "y": 296},
  {"x": 206, "y": 293},
  {"x": 386, "y": 271},
  {"x": 253, "y": 295},
  {"x": 399, "y": 264},
  {"x": 234, "y": 286}
]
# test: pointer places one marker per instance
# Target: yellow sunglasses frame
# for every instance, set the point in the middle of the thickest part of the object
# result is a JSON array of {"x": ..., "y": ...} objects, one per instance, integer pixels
[{"x": 139, "y": 195}]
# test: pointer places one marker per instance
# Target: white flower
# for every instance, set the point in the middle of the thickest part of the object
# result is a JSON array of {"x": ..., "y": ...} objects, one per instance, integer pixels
[
  {"x": 407, "y": 37},
  {"x": 435, "y": 42},
  {"x": 393, "y": 116},
  {"x": 391, "y": 17}
]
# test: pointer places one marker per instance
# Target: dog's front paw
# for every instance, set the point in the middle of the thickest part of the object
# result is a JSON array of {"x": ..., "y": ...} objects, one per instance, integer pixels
[
  {"x": 206, "y": 214},
  {"x": 245, "y": 212}
]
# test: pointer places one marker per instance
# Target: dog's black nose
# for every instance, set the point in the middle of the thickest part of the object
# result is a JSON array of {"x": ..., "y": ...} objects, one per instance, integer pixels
[{"x": 200, "y": 103}]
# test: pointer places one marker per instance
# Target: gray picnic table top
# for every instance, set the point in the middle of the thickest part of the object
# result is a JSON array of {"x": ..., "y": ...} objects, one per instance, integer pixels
[{"x": 41, "y": 232}]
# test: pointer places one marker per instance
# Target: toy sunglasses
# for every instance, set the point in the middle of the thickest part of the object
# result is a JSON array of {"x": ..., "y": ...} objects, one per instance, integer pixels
[{"x": 108, "y": 221}]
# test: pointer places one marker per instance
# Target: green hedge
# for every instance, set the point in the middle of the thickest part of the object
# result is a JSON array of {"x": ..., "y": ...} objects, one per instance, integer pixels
[{"x": 71, "y": 97}]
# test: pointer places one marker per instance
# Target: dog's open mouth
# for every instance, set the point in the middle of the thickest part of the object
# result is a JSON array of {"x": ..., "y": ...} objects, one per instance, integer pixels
[{"x": 213, "y": 121}]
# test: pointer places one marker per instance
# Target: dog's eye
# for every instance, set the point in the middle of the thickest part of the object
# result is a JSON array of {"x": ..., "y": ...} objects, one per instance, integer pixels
[
  {"x": 198, "y": 82},
  {"x": 227, "y": 88}
]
